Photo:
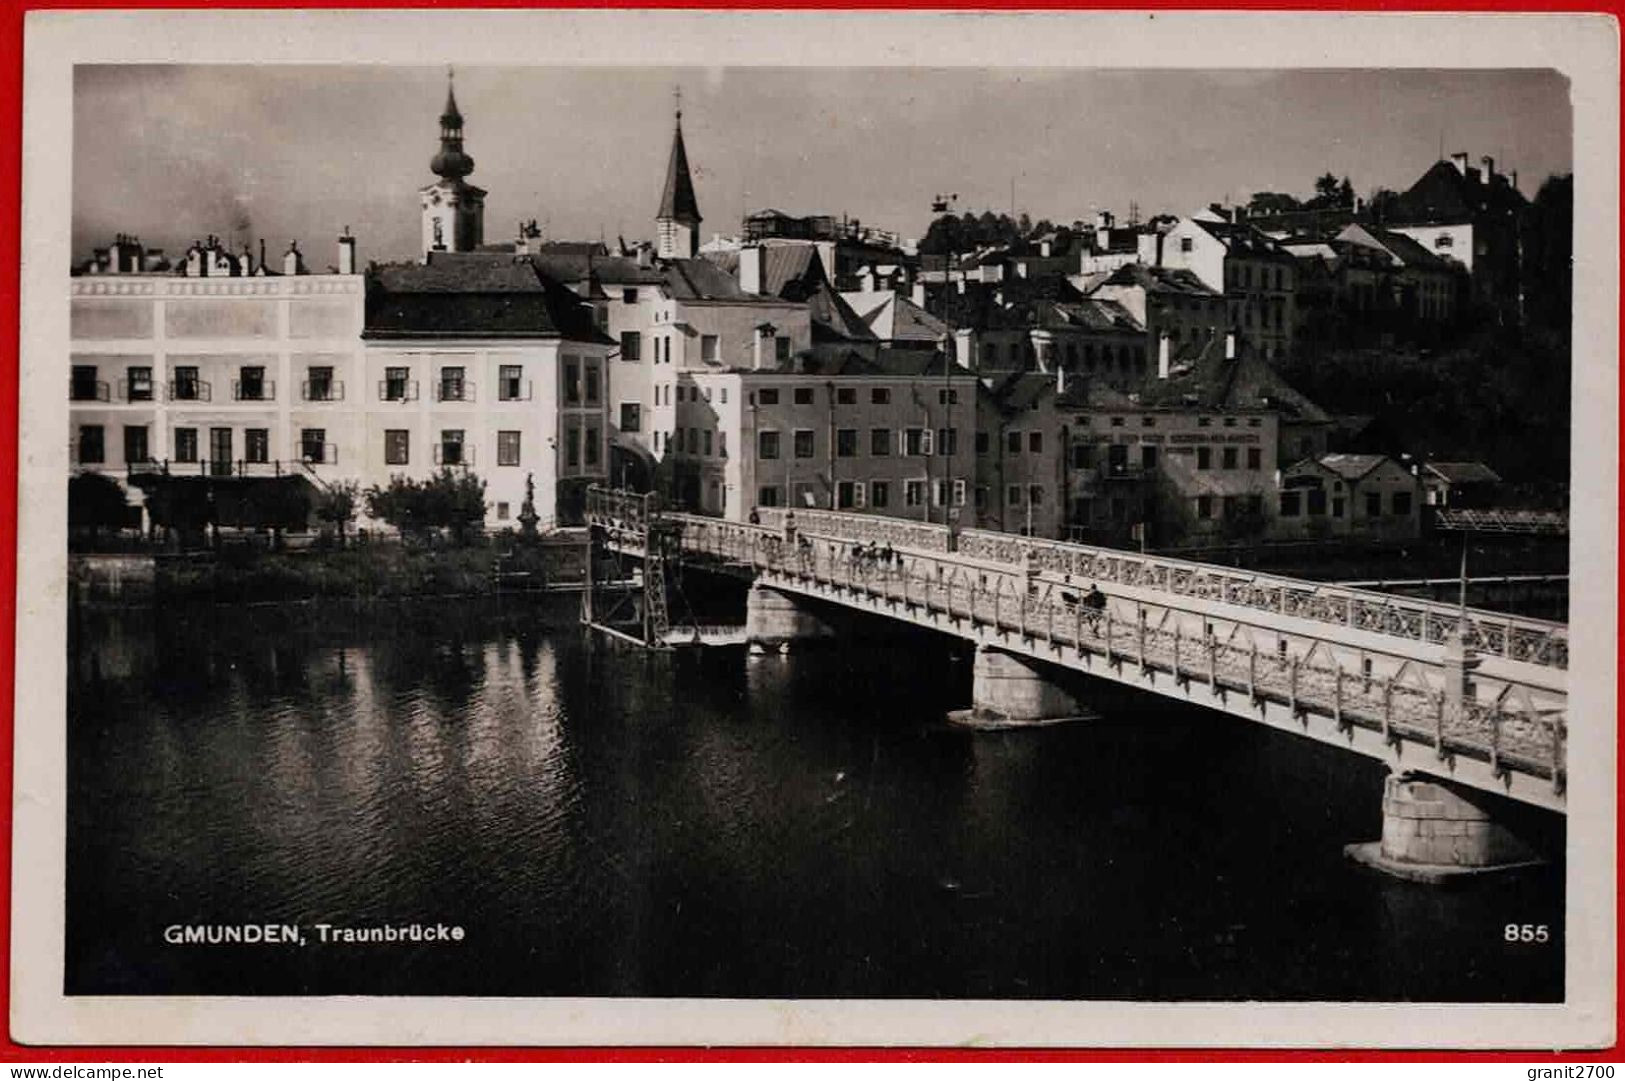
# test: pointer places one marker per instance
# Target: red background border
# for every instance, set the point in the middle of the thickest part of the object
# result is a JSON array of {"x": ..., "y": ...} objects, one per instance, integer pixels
[{"x": 13, "y": 13}]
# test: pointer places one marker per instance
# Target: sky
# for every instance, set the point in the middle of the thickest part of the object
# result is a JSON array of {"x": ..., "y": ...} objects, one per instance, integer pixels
[{"x": 176, "y": 152}]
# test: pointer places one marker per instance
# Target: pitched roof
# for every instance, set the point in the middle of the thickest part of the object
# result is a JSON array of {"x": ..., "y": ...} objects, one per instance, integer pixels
[
  {"x": 1445, "y": 193},
  {"x": 614, "y": 269},
  {"x": 473, "y": 295},
  {"x": 677, "y": 196},
  {"x": 789, "y": 268},
  {"x": 1214, "y": 381},
  {"x": 1351, "y": 466},
  {"x": 896, "y": 318},
  {"x": 701, "y": 279},
  {"x": 1463, "y": 472},
  {"x": 1168, "y": 280},
  {"x": 1242, "y": 238}
]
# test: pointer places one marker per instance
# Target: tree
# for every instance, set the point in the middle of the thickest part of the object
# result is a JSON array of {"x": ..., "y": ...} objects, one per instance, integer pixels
[
  {"x": 1326, "y": 191},
  {"x": 1381, "y": 203},
  {"x": 1345, "y": 194},
  {"x": 1272, "y": 202},
  {"x": 337, "y": 505},
  {"x": 450, "y": 499},
  {"x": 96, "y": 502}
]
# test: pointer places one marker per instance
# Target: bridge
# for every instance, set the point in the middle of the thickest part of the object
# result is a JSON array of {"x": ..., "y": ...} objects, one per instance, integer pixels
[{"x": 1473, "y": 702}]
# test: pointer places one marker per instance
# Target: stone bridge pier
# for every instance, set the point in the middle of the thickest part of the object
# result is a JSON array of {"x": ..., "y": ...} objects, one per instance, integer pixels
[
  {"x": 1435, "y": 831},
  {"x": 1011, "y": 691},
  {"x": 774, "y": 619}
]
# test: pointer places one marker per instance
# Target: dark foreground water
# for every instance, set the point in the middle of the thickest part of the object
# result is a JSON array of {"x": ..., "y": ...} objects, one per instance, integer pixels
[{"x": 605, "y": 822}]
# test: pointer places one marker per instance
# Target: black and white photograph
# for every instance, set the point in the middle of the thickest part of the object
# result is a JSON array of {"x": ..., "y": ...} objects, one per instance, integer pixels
[{"x": 1045, "y": 529}]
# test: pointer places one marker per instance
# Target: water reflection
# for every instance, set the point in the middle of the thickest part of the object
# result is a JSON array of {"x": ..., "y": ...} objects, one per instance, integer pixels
[{"x": 610, "y": 822}]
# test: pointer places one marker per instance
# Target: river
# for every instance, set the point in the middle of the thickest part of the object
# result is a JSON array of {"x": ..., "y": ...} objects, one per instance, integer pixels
[{"x": 603, "y": 821}]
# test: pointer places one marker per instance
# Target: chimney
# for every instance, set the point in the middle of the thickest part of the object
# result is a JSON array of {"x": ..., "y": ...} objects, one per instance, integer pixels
[
  {"x": 917, "y": 294},
  {"x": 1489, "y": 168},
  {"x": 1514, "y": 180},
  {"x": 1164, "y": 356},
  {"x": 646, "y": 256},
  {"x": 1459, "y": 160},
  {"x": 248, "y": 261},
  {"x": 263, "y": 264},
  {"x": 292, "y": 261},
  {"x": 1103, "y": 219},
  {"x": 346, "y": 252},
  {"x": 750, "y": 268}
]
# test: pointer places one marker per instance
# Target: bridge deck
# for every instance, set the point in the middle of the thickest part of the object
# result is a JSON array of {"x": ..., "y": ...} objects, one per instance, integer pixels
[{"x": 1375, "y": 685}]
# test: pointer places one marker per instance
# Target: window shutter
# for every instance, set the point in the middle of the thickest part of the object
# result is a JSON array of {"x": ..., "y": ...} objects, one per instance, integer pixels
[
  {"x": 902, "y": 442},
  {"x": 925, "y": 441},
  {"x": 858, "y": 494}
]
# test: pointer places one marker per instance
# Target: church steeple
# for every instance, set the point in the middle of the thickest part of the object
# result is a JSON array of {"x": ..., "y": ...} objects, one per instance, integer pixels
[
  {"x": 453, "y": 209},
  {"x": 678, "y": 220}
]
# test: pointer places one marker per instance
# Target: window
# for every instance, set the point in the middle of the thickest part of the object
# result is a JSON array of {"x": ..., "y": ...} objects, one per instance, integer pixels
[
  {"x": 319, "y": 383},
  {"x": 139, "y": 384},
  {"x": 629, "y": 296},
  {"x": 846, "y": 396},
  {"x": 707, "y": 435},
  {"x": 592, "y": 383},
  {"x": 880, "y": 396},
  {"x": 914, "y": 493},
  {"x": 1337, "y": 506},
  {"x": 723, "y": 394},
  {"x": 591, "y": 440},
  {"x": 959, "y": 492},
  {"x": 1317, "y": 501},
  {"x": 251, "y": 383},
  {"x": 452, "y": 385},
  {"x": 1255, "y": 458},
  {"x": 781, "y": 349},
  {"x": 846, "y": 443},
  {"x": 220, "y": 452},
  {"x": 1229, "y": 457},
  {"x": 502, "y": 512},
  {"x": 1229, "y": 422},
  {"x": 1186, "y": 244},
  {"x": 1012, "y": 442},
  {"x": 767, "y": 445},
  {"x": 948, "y": 441},
  {"x": 879, "y": 442},
  {"x": 187, "y": 387},
  {"x": 768, "y": 496},
  {"x": 804, "y": 442},
  {"x": 1290, "y": 506},
  {"x": 1035, "y": 442},
  {"x": 1012, "y": 495},
  {"x": 804, "y": 395},
  {"x": 948, "y": 397},
  {"x": 708, "y": 348},
  {"x": 397, "y": 444},
  {"x": 507, "y": 448},
  {"x": 1148, "y": 422},
  {"x": 511, "y": 383},
  {"x": 186, "y": 444},
  {"x": 572, "y": 446},
  {"x": 82, "y": 384},
  {"x": 135, "y": 443},
  {"x": 1083, "y": 456},
  {"x": 1402, "y": 504},
  {"x": 631, "y": 417},
  {"x": 257, "y": 445},
  {"x": 916, "y": 441},
  {"x": 395, "y": 383},
  {"x": 1035, "y": 494},
  {"x": 631, "y": 345},
  {"x": 313, "y": 444},
  {"x": 939, "y": 492},
  {"x": 1443, "y": 240},
  {"x": 1373, "y": 504},
  {"x": 1230, "y": 506},
  {"x": 92, "y": 444},
  {"x": 722, "y": 444},
  {"x": 572, "y": 381},
  {"x": 1117, "y": 422},
  {"x": 451, "y": 446},
  {"x": 768, "y": 396},
  {"x": 1204, "y": 422},
  {"x": 879, "y": 494},
  {"x": 845, "y": 496},
  {"x": 1148, "y": 458},
  {"x": 1204, "y": 457},
  {"x": 1204, "y": 506}
]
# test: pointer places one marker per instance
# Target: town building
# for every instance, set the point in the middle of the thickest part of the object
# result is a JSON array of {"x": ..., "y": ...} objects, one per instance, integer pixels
[
  {"x": 847, "y": 248},
  {"x": 856, "y": 439},
  {"x": 1364, "y": 497},
  {"x": 1256, "y": 276},
  {"x": 1460, "y": 485}
]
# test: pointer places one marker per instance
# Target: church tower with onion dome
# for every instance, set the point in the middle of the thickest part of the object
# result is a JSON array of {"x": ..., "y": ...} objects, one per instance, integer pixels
[{"x": 453, "y": 209}]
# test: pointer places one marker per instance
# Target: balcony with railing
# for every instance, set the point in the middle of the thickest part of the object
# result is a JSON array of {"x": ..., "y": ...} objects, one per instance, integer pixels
[
  {"x": 136, "y": 390},
  {"x": 322, "y": 390},
  {"x": 397, "y": 390},
  {"x": 253, "y": 390},
  {"x": 88, "y": 390},
  {"x": 459, "y": 391},
  {"x": 227, "y": 467},
  {"x": 190, "y": 390}
]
